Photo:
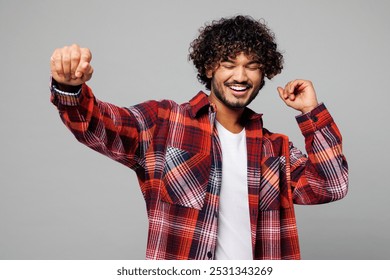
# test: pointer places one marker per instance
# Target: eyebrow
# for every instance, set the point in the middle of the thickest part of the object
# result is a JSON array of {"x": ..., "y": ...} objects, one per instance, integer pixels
[
  {"x": 228, "y": 60},
  {"x": 249, "y": 63}
]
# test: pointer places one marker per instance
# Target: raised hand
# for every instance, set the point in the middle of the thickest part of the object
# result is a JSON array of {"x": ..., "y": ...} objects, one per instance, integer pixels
[
  {"x": 300, "y": 95},
  {"x": 70, "y": 65}
]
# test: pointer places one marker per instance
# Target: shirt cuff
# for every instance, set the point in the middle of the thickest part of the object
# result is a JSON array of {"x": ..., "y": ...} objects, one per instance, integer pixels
[
  {"x": 314, "y": 120},
  {"x": 63, "y": 97}
]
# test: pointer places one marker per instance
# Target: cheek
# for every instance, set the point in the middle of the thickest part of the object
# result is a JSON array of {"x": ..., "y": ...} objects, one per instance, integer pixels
[
  {"x": 256, "y": 79},
  {"x": 219, "y": 78}
]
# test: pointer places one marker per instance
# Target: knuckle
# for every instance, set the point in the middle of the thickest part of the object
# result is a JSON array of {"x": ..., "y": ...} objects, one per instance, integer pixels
[
  {"x": 66, "y": 59},
  {"x": 86, "y": 53},
  {"x": 76, "y": 56},
  {"x": 56, "y": 55}
]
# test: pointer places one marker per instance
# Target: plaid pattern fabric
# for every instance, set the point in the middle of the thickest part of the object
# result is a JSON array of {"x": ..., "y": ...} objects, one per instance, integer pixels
[{"x": 176, "y": 154}]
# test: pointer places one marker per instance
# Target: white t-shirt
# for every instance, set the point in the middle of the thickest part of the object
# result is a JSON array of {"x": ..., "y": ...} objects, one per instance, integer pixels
[{"x": 234, "y": 229}]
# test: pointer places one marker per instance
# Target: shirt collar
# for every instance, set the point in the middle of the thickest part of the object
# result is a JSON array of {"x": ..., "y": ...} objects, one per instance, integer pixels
[
  {"x": 200, "y": 101},
  {"x": 197, "y": 103}
]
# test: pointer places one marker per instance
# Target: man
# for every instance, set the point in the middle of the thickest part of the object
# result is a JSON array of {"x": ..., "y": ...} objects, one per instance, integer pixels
[{"x": 216, "y": 183}]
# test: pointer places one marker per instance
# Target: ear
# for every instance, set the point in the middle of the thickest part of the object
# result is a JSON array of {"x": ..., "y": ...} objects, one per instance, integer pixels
[{"x": 209, "y": 73}]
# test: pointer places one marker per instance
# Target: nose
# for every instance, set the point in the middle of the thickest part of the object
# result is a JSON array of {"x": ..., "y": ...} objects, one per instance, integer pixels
[{"x": 240, "y": 74}]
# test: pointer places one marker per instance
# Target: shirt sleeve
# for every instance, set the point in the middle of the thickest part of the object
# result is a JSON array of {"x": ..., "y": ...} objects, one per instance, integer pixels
[
  {"x": 63, "y": 97},
  {"x": 322, "y": 175},
  {"x": 122, "y": 134}
]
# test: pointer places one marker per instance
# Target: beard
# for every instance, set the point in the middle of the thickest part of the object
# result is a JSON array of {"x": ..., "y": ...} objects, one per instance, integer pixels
[{"x": 238, "y": 104}]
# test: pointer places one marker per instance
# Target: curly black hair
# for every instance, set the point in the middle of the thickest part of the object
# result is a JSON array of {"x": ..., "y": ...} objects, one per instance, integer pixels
[{"x": 228, "y": 37}]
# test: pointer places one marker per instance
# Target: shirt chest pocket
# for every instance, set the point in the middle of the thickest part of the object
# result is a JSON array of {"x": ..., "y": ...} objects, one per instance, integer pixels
[{"x": 185, "y": 178}]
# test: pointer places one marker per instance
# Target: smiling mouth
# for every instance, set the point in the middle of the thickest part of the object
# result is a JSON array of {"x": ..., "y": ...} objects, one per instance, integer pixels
[{"x": 238, "y": 87}]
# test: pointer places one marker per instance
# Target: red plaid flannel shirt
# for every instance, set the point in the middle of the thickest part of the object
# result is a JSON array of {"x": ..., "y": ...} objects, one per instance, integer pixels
[{"x": 176, "y": 154}]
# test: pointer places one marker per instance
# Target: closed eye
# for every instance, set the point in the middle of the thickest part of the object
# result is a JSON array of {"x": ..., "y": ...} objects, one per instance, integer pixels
[
  {"x": 227, "y": 65},
  {"x": 253, "y": 66}
]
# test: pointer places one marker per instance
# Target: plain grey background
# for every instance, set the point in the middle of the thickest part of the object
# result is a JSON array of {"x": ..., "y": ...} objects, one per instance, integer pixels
[{"x": 61, "y": 200}]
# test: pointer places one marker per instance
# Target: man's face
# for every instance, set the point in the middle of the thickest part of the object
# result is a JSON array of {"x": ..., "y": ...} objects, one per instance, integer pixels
[{"x": 236, "y": 81}]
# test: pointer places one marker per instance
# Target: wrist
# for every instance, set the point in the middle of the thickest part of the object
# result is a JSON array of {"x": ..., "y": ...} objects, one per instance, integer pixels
[
  {"x": 68, "y": 88},
  {"x": 65, "y": 87},
  {"x": 310, "y": 108}
]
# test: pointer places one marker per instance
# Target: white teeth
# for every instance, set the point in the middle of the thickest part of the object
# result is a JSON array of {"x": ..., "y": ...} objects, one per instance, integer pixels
[{"x": 238, "y": 88}]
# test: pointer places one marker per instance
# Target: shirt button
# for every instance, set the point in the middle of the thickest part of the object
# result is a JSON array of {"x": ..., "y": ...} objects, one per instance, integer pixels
[
  {"x": 216, "y": 214},
  {"x": 209, "y": 255},
  {"x": 314, "y": 118}
]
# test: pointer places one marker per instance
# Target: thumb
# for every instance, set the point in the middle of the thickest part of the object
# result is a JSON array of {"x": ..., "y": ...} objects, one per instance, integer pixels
[
  {"x": 84, "y": 64},
  {"x": 82, "y": 69},
  {"x": 281, "y": 93}
]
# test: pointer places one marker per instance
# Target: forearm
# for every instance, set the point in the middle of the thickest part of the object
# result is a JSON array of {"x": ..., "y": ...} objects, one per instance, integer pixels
[
  {"x": 323, "y": 175},
  {"x": 97, "y": 124}
]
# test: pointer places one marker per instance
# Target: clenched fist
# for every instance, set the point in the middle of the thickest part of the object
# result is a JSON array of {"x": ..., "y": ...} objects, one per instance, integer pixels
[{"x": 70, "y": 65}]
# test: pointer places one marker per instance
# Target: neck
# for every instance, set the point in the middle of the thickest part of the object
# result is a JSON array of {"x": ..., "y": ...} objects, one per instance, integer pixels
[{"x": 229, "y": 118}]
